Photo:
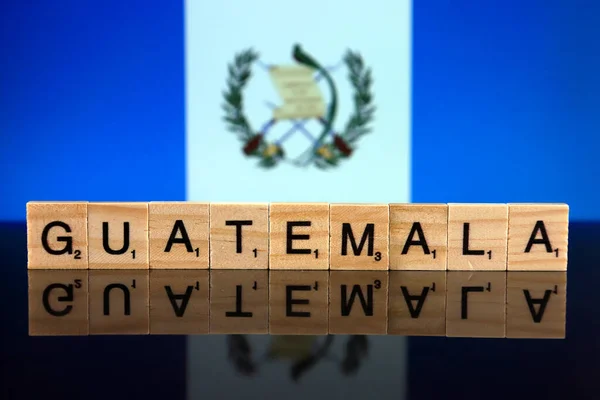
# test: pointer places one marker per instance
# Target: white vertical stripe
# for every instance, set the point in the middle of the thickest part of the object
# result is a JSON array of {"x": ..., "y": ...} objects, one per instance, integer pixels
[{"x": 378, "y": 171}]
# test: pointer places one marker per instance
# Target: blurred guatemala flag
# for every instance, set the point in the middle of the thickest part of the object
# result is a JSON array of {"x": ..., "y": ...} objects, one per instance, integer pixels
[{"x": 437, "y": 101}]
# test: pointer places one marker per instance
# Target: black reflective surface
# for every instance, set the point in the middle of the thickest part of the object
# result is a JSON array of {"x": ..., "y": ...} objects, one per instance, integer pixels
[{"x": 316, "y": 366}]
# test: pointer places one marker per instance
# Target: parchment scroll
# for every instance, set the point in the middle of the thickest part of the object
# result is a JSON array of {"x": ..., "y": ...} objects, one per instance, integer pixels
[{"x": 302, "y": 97}]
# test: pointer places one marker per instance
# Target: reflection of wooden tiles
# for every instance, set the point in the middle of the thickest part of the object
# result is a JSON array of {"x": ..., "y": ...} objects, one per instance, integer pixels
[
  {"x": 58, "y": 302},
  {"x": 118, "y": 302},
  {"x": 491, "y": 304},
  {"x": 476, "y": 304},
  {"x": 358, "y": 302},
  {"x": 179, "y": 302},
  {"x": 298, "y": 302},
  {"x": 417, "y": 303},
  {"x": 239, "y": 301},
  {"x": 536, "y": 305}
]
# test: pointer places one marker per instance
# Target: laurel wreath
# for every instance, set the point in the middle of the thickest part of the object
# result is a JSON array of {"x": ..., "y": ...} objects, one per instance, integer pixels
[
  {"x": 239, "y": 75},
  {"x": 358, "y": 125},
  {"x": 240, "y": 72}
]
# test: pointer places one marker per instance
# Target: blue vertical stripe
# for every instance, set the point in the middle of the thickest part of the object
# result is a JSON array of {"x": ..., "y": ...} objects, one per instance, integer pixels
[
  {"x": 506, "y": 100},
  {"x": 91, "y": 102}
]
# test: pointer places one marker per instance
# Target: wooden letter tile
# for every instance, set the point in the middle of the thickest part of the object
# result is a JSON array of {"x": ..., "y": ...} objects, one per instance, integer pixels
[
  {"x": 179, "y": 302},
  {"x": 417, "y": 303},
  {"x": 536, "y": 305},
  {"x": 299, "y": 236},
  {"x": 418, "y": 237},
  {"x": 358, "y": 302},
  {"x": 118, "y": 235},
  {"x": 538, "y": 236},
  {"x": 239, "y": 302},
  {"x": 239, "y": 236},
  {"x": 118, "y": 302},
  {"x": 57, "y": 235},
  {"x": 298, "y": 302},
  {"x": 477, "y": 237},
  {"x": 359, "y": 236},
  {"x": 178, "y": 235},
  {"x": 58, "y": 303},
  {"x": 476, "y": 304}
]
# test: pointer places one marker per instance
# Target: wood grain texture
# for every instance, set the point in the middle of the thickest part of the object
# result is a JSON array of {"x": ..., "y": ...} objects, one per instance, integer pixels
[
  {"x": 536, "y": 305},
  {"x": 126, "y": 226},
  {"x": 62, "y": 228},
  {"x": 119, "y": 302},
  {"x": 417, "y": 303},
  {"x": 546, "y": 226},
  {"x": 58, "y": 302},
  {"x": 239, "y": 236},
  {"x": 239, "y": 302},
  {"x": 477, "y": 237},
  {"x": 358, "y": 302},
  {"x": 178, "y": 235},
  {"x": 179, "y": 302},
  {"x": 418, "y": 237},
  {"x": 476, "y": 304},
  {"x": 299, "y": 236},
  {"x": 298, "y": 302},
  {"x": 352, "y": 225}
]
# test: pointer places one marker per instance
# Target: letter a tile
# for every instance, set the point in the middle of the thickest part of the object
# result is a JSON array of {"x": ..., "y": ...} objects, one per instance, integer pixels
[
  {"x": 418, "y": 237},
  {"x": 538, "y": 236},
  {"x": 178, "y": 235}
]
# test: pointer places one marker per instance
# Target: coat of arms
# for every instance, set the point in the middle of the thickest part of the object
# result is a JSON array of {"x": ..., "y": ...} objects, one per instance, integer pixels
[{"x": 303, "y": 100}]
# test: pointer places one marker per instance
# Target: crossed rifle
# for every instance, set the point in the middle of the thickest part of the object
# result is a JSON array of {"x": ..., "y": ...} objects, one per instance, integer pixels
[{"x": 297, "y": 125}]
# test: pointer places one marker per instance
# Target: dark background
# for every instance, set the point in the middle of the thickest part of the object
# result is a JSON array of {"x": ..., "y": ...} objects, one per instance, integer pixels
[{"x": 98, "y": 367}]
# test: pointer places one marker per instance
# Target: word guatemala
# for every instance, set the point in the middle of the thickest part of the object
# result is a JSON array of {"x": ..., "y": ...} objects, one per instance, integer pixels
[{"x": 302, "y": 236}]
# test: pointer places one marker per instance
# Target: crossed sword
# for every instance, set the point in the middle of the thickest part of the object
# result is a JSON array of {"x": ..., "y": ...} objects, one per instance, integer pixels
[{"x": 298, "y": 125}]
